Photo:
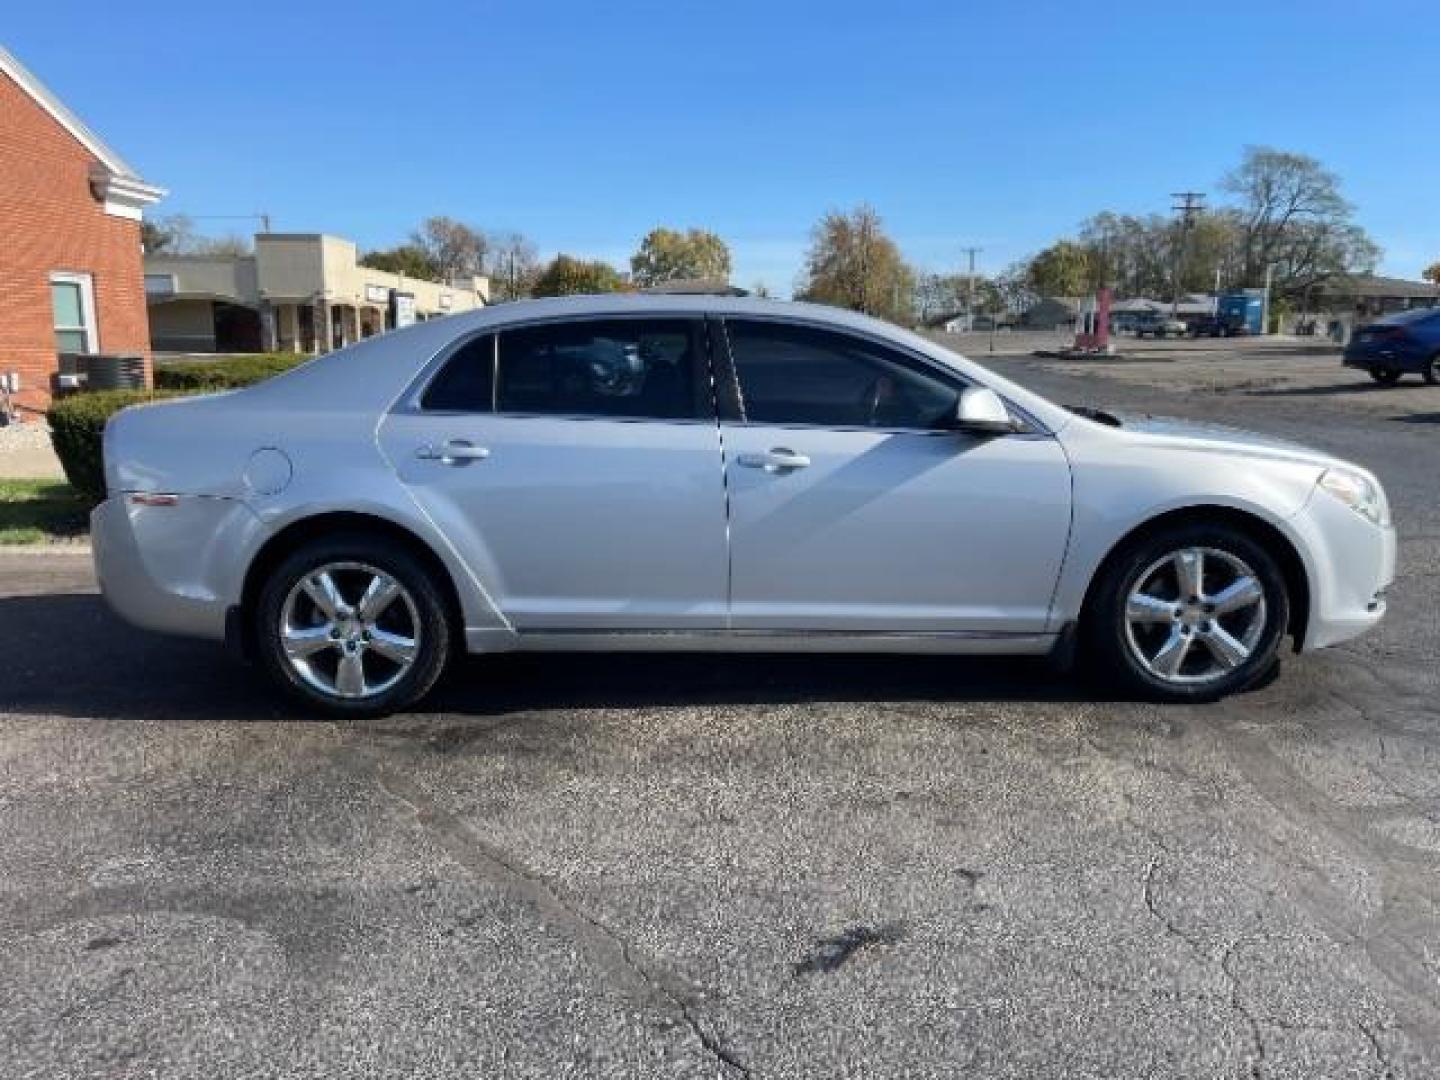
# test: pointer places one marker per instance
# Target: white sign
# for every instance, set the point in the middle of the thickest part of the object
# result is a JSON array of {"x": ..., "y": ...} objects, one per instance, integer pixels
[
  {"x": 377, "y": 294},
  {"x": 445, "y": 300},
  {"x": 404, "y": 303}
]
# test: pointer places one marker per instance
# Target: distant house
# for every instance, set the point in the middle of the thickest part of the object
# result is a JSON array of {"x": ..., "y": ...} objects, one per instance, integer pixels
[
  {"x": 299, "y": 292},
  {"x": 949, "y": 323},
  {"x": 1348, "y": 302},
  {"x": 70, "y": 269},
  {"x": 1051, "y": 313}
]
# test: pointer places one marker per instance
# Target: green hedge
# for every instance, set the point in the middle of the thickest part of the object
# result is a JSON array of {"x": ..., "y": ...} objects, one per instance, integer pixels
[
  {"x": 77, "y": 427},
  {"x": 229, "y": 373}
]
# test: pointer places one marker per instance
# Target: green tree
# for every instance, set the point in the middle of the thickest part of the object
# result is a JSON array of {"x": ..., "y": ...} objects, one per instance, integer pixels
[
  {"x": 853, "y": 264},
  {"x": 1062, "y": 269},
  {"x": 1432, "y": 273},
  {"x": 565, "y": 275},
  {"x": 409, "y": 260},
  {"x": 670, "y": 255}
]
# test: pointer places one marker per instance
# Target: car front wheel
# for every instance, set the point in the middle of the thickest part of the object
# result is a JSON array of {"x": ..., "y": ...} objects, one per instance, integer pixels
[
  {"x": 352, "y": 626},
  {"x": 1385, "y": 376},
  {"x": 1190, "y": 614},
  {"x": 1432, "y": 370}
]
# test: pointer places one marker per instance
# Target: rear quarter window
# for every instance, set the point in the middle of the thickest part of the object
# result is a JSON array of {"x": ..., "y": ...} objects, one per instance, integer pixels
[{"x": 467, "y": 381}]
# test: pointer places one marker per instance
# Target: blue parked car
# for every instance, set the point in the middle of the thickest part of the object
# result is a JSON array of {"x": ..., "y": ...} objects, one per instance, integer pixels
[{"x": 1405, "y": 343}]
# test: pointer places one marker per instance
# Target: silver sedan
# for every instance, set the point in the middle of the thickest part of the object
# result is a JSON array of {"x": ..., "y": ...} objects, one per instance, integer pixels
[{"x": 694, "y": 472}]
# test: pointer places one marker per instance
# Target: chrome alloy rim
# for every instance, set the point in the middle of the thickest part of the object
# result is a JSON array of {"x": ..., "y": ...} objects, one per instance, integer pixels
[
  {"x": 1195, "y": 615},
  {"x": 349, "y": 630}
]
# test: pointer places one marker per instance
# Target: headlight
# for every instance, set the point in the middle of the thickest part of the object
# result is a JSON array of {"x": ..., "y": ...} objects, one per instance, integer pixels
[{"x": 1358, "y": 492}]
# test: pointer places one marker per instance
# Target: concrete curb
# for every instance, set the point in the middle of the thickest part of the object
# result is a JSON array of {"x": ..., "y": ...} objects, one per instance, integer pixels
[{"x": 36, "y": 550}]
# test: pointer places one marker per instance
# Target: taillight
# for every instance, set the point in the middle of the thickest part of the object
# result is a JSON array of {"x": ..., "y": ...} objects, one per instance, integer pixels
[{"x": 1390, "y": 333}]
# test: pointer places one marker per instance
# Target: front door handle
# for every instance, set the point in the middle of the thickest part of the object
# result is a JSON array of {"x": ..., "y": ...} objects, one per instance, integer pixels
[
  {"x": 454, "y": 452},
  {"x": 778, "y": 459}
]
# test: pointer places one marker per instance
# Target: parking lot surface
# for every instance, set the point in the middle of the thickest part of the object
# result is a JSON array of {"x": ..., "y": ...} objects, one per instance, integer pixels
[{"x": 741, "y": 866}]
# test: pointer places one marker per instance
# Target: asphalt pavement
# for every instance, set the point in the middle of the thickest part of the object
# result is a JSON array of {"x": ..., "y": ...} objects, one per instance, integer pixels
[{"x": 733, "y": 866}]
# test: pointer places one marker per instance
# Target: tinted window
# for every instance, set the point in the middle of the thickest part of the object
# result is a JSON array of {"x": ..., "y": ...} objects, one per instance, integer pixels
[
  {"x": 799, "y": 375},
  {"x": 1413, "y": 315},
  {"x": 466, "y": 383},
  {"x": 614, "y": 367}
]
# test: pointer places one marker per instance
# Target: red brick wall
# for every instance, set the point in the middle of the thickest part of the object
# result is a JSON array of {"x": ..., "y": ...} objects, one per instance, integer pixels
[{"x": 50, "y": 221}]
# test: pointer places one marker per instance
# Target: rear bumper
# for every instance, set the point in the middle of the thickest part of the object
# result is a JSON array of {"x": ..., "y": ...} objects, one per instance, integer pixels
[{"x": 173, "y": 569}]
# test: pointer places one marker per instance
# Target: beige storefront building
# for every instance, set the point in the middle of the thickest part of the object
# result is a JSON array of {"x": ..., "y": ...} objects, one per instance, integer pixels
[{"x": 299, "y": 292}]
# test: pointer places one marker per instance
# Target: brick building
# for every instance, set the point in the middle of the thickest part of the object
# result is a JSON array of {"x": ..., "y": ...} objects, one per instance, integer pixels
[{"x": 71, "y": 275}]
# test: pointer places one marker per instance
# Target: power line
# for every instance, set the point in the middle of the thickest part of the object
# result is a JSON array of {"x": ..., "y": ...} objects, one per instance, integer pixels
[{"x": 261, "y": 217}]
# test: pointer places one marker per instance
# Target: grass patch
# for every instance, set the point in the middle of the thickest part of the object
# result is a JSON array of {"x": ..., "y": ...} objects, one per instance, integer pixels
[{"x": 41, "y": 511}]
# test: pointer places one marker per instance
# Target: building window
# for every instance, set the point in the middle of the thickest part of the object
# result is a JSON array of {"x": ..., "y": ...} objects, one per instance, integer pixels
[{"x": 73, "y": 298}]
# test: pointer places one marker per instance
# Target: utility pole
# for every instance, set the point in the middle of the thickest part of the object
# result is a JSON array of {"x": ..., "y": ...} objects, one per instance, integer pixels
[
  {"x": 970, "y": 288},
  {"x": 1191, "y": 203},
  {"x": 1265, "y": 303}
]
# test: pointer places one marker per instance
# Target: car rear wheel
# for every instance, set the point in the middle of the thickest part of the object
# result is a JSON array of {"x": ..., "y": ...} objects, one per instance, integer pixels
[
  {"x": 1190, "y": 614},
  {"x": 1432, "y": 370},
  {"x": 352, "y": 626},
  {"x": 1385, "y": 376}
]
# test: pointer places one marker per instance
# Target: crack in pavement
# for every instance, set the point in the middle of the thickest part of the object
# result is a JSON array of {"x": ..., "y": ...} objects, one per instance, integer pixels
[
  {"x": 1257, "y": 1034},
  {"x": 486, "y": 860},
  {"x": 1236, "y": 1001},
  {"x": 1379, "y": 1051}
]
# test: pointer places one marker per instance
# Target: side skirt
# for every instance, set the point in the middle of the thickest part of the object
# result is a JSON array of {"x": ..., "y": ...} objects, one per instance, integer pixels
[{"x": 810, "y": 641}]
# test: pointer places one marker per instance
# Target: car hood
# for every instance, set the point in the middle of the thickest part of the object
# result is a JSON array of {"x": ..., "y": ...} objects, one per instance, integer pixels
[{"x": 1204, "y": 436}]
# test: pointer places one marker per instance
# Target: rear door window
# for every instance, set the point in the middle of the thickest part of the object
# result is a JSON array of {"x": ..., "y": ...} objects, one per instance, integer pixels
[{"x": 638, "y": 368}]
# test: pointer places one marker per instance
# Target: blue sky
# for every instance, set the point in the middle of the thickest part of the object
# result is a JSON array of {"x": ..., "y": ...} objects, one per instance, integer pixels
[{"x": 585, "y": 124}]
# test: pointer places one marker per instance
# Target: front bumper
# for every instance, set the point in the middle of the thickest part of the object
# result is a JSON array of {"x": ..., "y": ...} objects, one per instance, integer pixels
[
  {"x": 174, "y": 569},
  {"x": 1350, "y": 563},
  {"x": 1371, "y": 356}
]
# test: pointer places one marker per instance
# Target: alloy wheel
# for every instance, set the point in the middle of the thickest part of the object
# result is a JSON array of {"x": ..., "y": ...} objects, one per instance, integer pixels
[
  {"x": 349, "y": 630},
  {"x": 1195, "y": 615}
]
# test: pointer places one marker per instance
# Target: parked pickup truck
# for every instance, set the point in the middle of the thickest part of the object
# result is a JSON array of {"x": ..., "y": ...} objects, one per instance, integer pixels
[{"x": 1158, "y": 326}]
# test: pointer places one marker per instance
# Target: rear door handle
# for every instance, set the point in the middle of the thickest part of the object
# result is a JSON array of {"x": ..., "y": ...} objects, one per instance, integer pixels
[
  {"x": 454, "y": 452},
  {"x": 778, "y": 459}
]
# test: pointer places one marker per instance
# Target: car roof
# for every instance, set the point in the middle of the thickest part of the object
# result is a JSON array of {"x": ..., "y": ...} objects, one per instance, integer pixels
[{"x": 664, "y": 304}]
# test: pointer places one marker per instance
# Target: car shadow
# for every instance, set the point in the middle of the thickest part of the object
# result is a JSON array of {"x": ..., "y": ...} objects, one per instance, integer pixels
[
  {"x": 1418, "y": 418},
  {"x": 68, "y": 655},
  {"x": 1322, "y": 391}
]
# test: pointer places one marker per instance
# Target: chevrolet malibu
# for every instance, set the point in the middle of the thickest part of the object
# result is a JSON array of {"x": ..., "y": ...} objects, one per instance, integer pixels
[{"x": 715, "y": 473}]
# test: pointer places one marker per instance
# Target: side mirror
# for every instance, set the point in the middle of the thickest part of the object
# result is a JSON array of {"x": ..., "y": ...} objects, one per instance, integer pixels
[{"x": 981, "y": 412}]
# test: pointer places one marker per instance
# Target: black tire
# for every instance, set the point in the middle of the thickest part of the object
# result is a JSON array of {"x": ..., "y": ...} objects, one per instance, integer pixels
[
  {"x": 1385, "y": 376},
  {"x": 1432, "y": 370},
  {"x": 1104, "y": 627},
  {"x": 433, "y": 642}
]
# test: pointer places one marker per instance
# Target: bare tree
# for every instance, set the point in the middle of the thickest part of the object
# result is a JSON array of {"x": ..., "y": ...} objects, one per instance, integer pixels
[
  {"x": 454, "y": 248},
  {"x": 513, "y": 266},
  {"x": 1295, "y": 222}
]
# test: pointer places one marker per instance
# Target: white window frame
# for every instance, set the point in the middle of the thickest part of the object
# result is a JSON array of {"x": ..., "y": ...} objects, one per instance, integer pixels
[{"x": 91, "y": 329}]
